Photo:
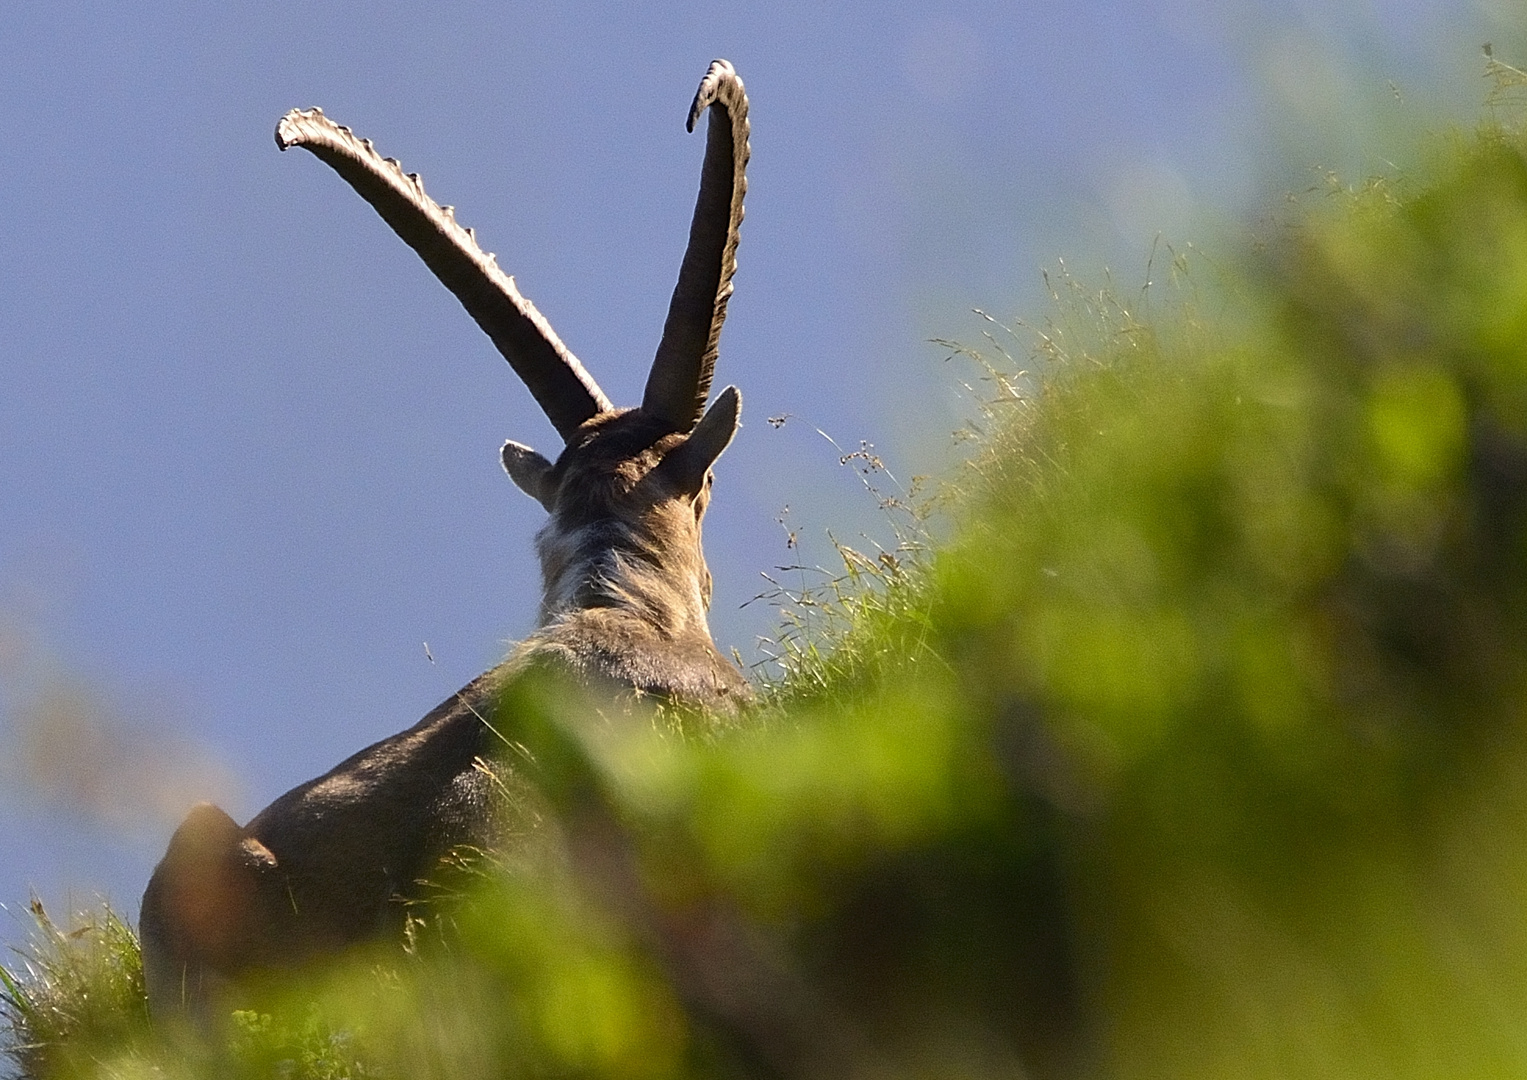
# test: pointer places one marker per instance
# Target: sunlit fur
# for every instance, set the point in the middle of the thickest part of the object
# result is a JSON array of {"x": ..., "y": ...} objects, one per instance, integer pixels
[{"x": 626, "y": 587}]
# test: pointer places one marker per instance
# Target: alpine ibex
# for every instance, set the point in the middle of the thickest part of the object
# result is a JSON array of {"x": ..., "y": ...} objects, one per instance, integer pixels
[{"x": 623, "y": 610}]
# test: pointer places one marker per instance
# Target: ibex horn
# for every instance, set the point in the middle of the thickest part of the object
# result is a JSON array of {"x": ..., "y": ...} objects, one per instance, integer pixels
[
  {"x": 565, "y": 391},
  {"x": 679, "y": 382}
]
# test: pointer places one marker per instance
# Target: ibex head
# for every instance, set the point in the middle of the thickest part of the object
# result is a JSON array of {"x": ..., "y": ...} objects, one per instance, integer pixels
[{"x": 630, "y": 486}]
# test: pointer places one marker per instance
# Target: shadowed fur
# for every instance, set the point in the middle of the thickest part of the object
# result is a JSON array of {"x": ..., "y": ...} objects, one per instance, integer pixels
[{"x": 623, "y": 611}]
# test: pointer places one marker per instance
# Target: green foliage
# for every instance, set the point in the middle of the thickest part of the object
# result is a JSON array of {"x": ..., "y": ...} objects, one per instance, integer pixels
[
  {"x": 75, "y": 996},
  {"x": 1198, "y": 748},
  {"x": 1265, "y": 605}
]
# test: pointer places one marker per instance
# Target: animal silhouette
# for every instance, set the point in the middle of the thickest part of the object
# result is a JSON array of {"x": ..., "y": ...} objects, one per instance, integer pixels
[{"x": 623, "y": 610}]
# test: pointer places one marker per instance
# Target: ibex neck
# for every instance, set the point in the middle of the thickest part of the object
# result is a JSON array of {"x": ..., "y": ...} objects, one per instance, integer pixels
[{"x": 610, "y": 565}]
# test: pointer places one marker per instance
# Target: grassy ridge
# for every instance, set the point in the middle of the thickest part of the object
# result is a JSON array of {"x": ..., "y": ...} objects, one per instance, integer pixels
[{"x": 1198, "y": 749}]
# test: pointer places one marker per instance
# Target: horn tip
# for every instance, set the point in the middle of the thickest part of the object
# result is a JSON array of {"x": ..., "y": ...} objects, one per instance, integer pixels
[
  {"x": 285, "y": 129},
  {"x": 720, "y": 71},
  {"x": 289, "y": 129}
]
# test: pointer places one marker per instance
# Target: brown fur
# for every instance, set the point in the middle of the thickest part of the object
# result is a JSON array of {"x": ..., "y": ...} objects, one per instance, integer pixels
[{"x": 334, "y": 861}]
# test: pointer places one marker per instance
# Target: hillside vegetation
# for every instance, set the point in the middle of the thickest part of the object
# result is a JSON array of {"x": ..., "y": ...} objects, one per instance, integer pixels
[{"x": 1197, "y": 749}]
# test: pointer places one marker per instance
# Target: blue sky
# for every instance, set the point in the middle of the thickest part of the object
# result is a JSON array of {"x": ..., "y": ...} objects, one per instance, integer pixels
[{"x": 248, "y": 446}]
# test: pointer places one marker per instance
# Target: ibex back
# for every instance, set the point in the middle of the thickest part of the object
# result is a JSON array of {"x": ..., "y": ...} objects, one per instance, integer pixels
[{"x": 623, "y": 610}]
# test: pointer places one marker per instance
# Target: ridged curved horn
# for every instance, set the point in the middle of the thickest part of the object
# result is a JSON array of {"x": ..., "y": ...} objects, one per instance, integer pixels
[
  {"x": 679, "y": 382},
  {"x": 565, "y": 391}
]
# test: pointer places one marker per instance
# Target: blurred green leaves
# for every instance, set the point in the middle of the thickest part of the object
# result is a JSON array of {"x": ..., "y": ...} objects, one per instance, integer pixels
[{"x": 1216, "y": 688}]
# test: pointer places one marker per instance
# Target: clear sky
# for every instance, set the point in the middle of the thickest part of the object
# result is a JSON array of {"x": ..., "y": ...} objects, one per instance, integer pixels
[{"x": 248, "y": 446}]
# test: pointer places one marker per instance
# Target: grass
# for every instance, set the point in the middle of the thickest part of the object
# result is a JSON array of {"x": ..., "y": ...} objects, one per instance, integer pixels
[
  {"x": 1193, "y": 742},
  {"x": 73, "y": 994}
]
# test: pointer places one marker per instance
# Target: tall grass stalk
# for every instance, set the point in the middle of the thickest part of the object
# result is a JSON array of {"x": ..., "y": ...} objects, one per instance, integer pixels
[{"x": 73, "y": 994}]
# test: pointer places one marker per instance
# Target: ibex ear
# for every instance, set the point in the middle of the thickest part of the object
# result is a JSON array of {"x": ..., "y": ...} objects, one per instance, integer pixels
[
  {"x": 688, "y": 462},
  {"x": 529, "y": 470}
]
